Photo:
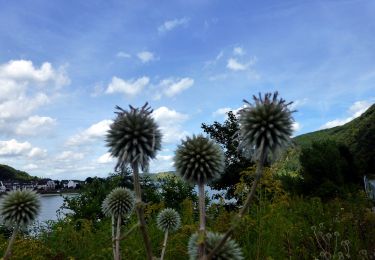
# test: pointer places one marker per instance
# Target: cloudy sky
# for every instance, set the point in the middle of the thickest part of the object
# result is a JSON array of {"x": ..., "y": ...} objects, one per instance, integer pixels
[{"x": 65, "y": 65}]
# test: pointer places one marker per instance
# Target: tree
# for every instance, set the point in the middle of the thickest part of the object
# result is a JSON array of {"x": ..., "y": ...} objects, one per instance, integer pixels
[{"x": 226, "y": 136}]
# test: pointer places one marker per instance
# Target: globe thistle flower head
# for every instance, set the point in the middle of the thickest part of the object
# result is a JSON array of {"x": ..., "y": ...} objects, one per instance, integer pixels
[
  {"x": 229, "y": 251},
  {"x": 168, "y": 220},
  {"x": 134, "y": 136},
  {"x": 268, "y": 122},
  {"x": 119, "y": 202},
  {"x": 198, "y": 159},
  {"x": 20, "y": 208}
]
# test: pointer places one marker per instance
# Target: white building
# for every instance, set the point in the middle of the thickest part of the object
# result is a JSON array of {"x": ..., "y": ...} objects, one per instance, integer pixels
[{"x": 72, "y": 184}]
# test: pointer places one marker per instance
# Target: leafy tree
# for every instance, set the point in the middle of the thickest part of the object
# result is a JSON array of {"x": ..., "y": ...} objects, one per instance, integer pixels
[
  {"x": 327, "y": 168},
  {"x": 225, "y": 135},
  {"x": 174, "y": 191}
]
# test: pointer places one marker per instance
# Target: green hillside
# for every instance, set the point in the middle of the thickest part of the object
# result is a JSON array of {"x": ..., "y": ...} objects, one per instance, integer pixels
[
  {"x": 358, "y": 135},
  {"x": 9, "y": 173}
]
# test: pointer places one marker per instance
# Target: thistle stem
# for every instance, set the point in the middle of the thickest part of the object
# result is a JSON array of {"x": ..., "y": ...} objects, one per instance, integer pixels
[
  {"x": 202, "y": 222},
  {"x": 129, "y": 231},
  {"x": 258, "y": 175},
  {"x": 140, "y": 212},
  {"x": 113, "y": 237},
  {"x": 8, "y": 252},
  {"x": 118, "y": 233},
  {"x": 164, "y": 245}
]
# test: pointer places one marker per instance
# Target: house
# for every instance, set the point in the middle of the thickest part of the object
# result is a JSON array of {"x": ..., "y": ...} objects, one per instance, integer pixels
[
  {"x": 2, "y": 187},
  {"x": 71, "y": 184}
]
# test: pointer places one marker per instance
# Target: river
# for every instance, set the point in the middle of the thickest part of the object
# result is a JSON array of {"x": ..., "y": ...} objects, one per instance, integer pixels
[{"x": 50, "y": 203}]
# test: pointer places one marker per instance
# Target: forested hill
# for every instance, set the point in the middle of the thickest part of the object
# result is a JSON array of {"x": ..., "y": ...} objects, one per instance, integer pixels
[
  {"x": 9, "y": 173},
  {"x": 358, "y": 135}
]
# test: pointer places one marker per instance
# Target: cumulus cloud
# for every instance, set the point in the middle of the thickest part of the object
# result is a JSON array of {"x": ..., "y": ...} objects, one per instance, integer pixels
[
  {"x": 146, "y": 56},
  {"x": 162, "y": 163},
  {"x": 24, "y": 71},
  {"x": 221, "y": 111},
  {"x": 170, "y": 122},
  {"x": 35, "y": 125},
  {"x": 94, "y": 132},
  {"x": 296, "y": 126},
  {"x": 128, "y": 87},
  {"x": 172, "y": 24},
  {"x": 354, "y": 111},
  {"x": 30, "y": 167},
  {"x": 172, "y": 86},
  {"x": 14, "y": 148},
  {"x": 234, "y": 65},
  {"x": 105, "y": 159}
]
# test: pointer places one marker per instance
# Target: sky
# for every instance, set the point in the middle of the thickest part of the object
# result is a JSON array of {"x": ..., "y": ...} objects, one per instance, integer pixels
[{"x": 65, "y": 65}]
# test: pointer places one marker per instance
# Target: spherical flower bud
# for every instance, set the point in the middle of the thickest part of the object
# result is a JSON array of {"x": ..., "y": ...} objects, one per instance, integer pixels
[
  {"x": 20, "y": 208},
  {"x": 267, "y": 122},
  {"x": 119, "y": 202},
  {"x": 229, "y": 251},
  {"x": 198, "y": 159},
  {"x": 168, "y": 220},
  {"x": 134, "y": 136}
]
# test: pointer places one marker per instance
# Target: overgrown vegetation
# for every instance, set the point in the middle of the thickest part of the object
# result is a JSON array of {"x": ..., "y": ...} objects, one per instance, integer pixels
[{"x": 306, "y": 205}]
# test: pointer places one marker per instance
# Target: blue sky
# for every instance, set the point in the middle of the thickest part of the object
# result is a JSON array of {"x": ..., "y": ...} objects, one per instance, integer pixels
[{"x": 65, "y": 65}]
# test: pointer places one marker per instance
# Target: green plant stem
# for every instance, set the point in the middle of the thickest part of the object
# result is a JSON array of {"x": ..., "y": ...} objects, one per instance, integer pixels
[
  {"x": 8, "y": 252},
  {"x": 118, "y": 234},
  {"x": 129, "y": 231},
  {"x": 164, "y": 245},
  {"x": 202, "y": 223},
  {"x": 113, "y": 237},
  {"x": 258, "y": 175},
  {"x": 140, "y": 212}
]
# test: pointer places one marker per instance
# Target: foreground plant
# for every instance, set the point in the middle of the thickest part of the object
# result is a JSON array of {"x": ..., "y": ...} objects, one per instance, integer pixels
[
  {"x": 118, "y": 204},
  {"x": 265, "y": 126},
  {"x": 18, "y": 209},
  {"x": 168, "y": 220},
  {"x": 134, "y": 138},
  {"x": 199, "y": 160},
  {"x": 229, "y": 251}
]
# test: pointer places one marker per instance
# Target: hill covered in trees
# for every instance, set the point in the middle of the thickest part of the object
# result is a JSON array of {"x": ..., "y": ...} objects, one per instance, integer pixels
[
  {"x": 358, "y": 135},
  {"x": 9, "y": 173}
]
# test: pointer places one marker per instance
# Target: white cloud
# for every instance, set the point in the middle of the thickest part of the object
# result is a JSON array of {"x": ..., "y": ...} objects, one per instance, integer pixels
[
  {"x": 298, "y": 103},
  {"x": 30, "y": 166},
  {"x": 67, "y": 156},
  {"x": 170, "y": 122},
  {"x": 14, "y": 148},
  {"x": 122, "y": 54},
  {"x": 172, "y": 24},
  {"x": 146, "y": 56},
  {"x": 105, "y": 159},
  {"x": 173, "y": 87},
  {"x": 35, "y": 125},
  {"x": 24, "y": 70},
  {"x": 37, "y": 153},
  {"x": 129, "y": 87},
  {"x": 238, "y": 51},
  {"x": 162, "y": 163},
  {"x": 355, "y": 110},
  {"x": 94, "y": 132},
  {"x": 221, "y": 111},
  {"x": 296, "y": 126},
  {"x": 233, "y": 64},
  {"x": 22, "y": 106}
]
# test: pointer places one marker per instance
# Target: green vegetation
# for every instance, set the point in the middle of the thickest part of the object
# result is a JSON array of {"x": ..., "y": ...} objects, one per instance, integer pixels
[
  {"x": 308, "y": 204},
  {"x": 9, "y": 173}
]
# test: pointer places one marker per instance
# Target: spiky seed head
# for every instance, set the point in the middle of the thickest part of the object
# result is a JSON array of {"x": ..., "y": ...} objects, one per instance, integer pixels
[
  {"x": 20, "y": 208},
  {"x": 168, "y": 220},
  {"x": 119, "y": 202},
  {"x": 198, "y": 159},
  {"x": 229, "y": 251},
  {"x": 134, "y": 136},
  {"x": 267, "y": 121}
]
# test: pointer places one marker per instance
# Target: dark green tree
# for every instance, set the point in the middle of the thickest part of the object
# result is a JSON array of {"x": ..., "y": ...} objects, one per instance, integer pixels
[{"x": 225, "y": 134}]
